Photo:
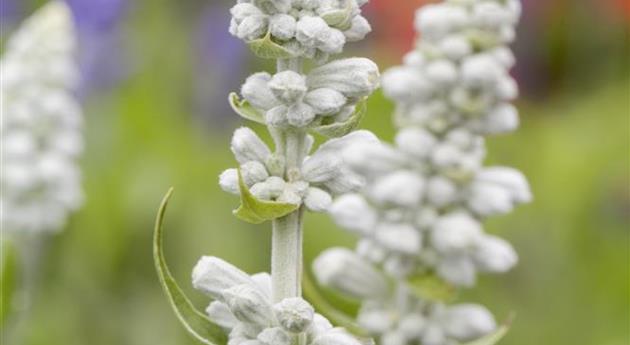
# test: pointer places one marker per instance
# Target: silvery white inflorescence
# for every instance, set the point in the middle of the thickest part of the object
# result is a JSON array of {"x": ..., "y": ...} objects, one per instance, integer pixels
[
  {"x": 420, "y": 212},
  {"x": 243, "y": 307},
  {"x": 41, "y": 123},
  {"x": 312, "y": 29},
  {"x": 268, "y": 309}
]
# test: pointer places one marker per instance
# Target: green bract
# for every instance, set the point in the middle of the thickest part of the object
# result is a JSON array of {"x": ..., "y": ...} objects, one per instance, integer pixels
[
  {"x": 245, "y": 110},
  {"x": 266, "y": 48},
  {"x": 256, "y": 211},
  {"x": 431, "y": 287},
  {"x": 339, "y": 129},
  {"x": 195, "y": 322}
]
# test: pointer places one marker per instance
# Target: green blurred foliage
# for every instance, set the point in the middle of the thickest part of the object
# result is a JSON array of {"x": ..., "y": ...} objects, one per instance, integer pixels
[{"x": 98, "y": 286}]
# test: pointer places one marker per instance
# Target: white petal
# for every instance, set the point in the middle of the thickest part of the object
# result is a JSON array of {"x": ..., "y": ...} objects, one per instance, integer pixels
[
  {"x": 247, "y": 146},
  {"x": 213, "y": 275},
  {"x": 467, "y": 322}
]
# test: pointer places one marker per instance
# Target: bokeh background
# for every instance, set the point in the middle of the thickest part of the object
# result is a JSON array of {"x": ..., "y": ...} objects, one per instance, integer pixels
[{"x": 156, "y": 74}]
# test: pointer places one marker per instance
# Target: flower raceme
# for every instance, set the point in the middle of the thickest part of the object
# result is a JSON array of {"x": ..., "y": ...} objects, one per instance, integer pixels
[
  {"x": 243, "y": 307},
  {"x": 41, "y": 123},
  {"x": 419, "y": 215}
]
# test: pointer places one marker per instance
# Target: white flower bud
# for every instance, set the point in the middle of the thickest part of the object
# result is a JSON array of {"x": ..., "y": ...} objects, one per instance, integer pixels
[
  {"x": 455, "y": 233},
  {"x": 373, "y": 158},
  {"x": 288, "y": 86},
  {"x": 353, "y": 77},
  {"x": 282, "y": 26},
  {"x": 407, "y": 85},
  {"x": 511, "y": 179},
  {"x": 321, "y": 167},
  {"x": 247, "y": 146},
  {"x": 300, "y": 115},
  {"x": 401, "y": 238},
  {"x": 494, "y": 254},
  {"x": 457, "y": 269},
  {"x": 502, "y": 119},
  {"x": 490, "y": 14},
  {"x": 243, "y": 10},
  {"x": 325, "y": 101},
  {"x": 346, "y": 181},
  {"x": 441, "y": 191},
  {"x": 415, "y": 141},
  {"x": 343, "y": 270},
  {"x": 248, "y": 304},
  {"x": 317, "y": 200},
  {"x": 434, "y": 335},
  {"x": 272, "y": 188},
  {"x": 443, "y": 72},
  {"x": 277, "y": 116},
  {"x": 504, "y": 56},
  {"x": 274, "y": 336},
  {"x": 309, "y": 29},
  {"x": 331, "y": 41},
  {"x": 252, "y": 27},
  {"x": 263, "y": 282},
  {"x": 480, "y": 71},
  {"x": 414, "y": 59},
  {"x": 467, "y": 322},
  {"x": 335, "y": 337},
  {"x": 359, "y": 28},
  {"x": 393, "y": 338},
  {"x": 290, "y": 196},
  {"x": 506, "y": 88},
  {"x": 456, "y": 47},
  {"x": 437, "y": 20},
  {"x": 487, "y": 199},
  {"x": 228, "y": 180},
  {"x": 351, "y": 211},
  {"x": 253, "y": 172},
  {"x": 213, "y": 275},
  {"x": 257, "y": 92},
  {"x": 412, "y": 325},
  {"x": 295, "y": 315},
  {"x": 401, "y": 188},
  {"x": 220, "y": 314},
  {"x": 375, "y": 320},
  {"x": 319, "y": 326}
]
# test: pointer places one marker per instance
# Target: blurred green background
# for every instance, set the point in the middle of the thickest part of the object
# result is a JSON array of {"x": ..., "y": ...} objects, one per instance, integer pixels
[{"x": 157, "y": 74}]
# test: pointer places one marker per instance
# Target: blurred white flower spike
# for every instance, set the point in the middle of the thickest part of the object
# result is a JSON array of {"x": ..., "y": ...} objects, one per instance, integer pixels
[
  {"x": 41, "y": 133},
  {"x": 419, "y": 215}
]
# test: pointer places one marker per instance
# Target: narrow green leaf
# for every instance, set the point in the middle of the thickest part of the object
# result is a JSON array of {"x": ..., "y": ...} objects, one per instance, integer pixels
[
  {"x": 195, "y": 322},
  {"x": 319, "y": 302},
  {"x": 256, "y": 211},
  {"x": 245, "y": 110},
  {"x": 431, "y": 287},
  {"x": 8, "y": 274},
  {"x": 494, "y": 337},
  {"x": 266, "y": 48},
  {"x": 339, "y": 129}
]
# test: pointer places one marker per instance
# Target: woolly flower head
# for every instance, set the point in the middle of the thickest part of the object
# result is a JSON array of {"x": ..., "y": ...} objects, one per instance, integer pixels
[
  {"x": 321, "y": 175},
  {"x": 41, "y": 123},
  {"x": 307, "y": 28},
  {"x": 243, "y": 307}
]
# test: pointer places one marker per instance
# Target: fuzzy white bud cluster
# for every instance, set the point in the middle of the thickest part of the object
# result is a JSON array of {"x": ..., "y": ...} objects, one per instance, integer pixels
[
  {"x": 243, "y": 307},
  {"x": 322, "y": 175},
  {"x": 328, "y": 93},
  {"x": 313, "y": 29},
  {"x": 41, "y": 123},
  {"x": 421, "y": 210}
]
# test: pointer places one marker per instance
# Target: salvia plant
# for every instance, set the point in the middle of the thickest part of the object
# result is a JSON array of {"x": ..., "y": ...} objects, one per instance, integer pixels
[
  {"x": 419, "y": 216},
  {"x": 280, "y": 184},
  {"x": 41, "y": 132},
  {"x": 40, "y": 144}
]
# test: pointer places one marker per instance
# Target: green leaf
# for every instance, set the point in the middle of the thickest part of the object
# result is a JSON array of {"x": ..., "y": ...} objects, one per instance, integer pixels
[
  {"x": 195, "y": 322},
  {"x": 494, "y": 337},
  {"x": 245, "y": 110},
  {"x": 266, "y": 48},
  {"x": 431, "y": 287},
  {"x": 319, "y": 302},
  {"x": 256, "y": 211},
  {"x": 340, "y": 18},
  {"x": 8, "y": 276},
  {"x": 339, "y": 129}
]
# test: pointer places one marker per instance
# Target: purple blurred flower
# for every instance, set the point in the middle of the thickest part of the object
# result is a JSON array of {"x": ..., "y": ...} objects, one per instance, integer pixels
[
  {"x": 10, "y": 13},
  {"x": 221, "y": 58},
  {"x": 100, "y": 54}
]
